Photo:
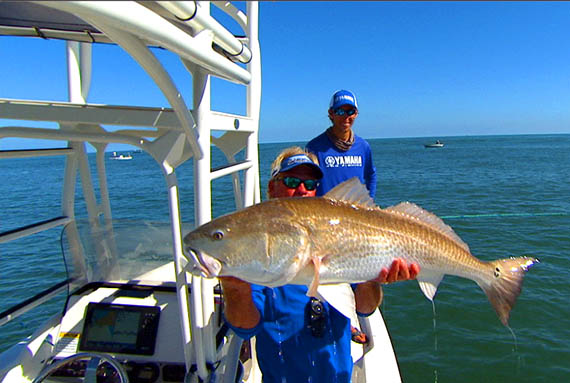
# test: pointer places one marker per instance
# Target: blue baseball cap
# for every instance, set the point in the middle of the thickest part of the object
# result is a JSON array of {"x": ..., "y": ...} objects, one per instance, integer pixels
[
  {"x": 294, "y": 161},
  {"x": 343, "y": 97}
]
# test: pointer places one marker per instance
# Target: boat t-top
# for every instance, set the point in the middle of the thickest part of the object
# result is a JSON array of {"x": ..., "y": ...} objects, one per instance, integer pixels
[{"x": 128, "y": 309}]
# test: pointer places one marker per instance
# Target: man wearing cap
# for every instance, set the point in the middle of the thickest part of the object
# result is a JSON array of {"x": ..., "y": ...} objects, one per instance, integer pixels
[
  {"x": 341, "y": 153},
  {"x": 299, "y": 338}
]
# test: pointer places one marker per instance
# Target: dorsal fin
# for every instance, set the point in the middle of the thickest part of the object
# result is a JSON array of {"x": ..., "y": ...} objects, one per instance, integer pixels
[
  {"x": 352, "y": 191},
  {"x": 431, "y": 219}
]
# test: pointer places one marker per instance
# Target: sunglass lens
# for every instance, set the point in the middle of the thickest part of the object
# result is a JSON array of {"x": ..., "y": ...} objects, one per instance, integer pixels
[
  {"x": 294, "y": 182},
  {"x": 310, "y": 184},
  {"x": 342, "y": 112},
  {"x": 291, "y": 182}
]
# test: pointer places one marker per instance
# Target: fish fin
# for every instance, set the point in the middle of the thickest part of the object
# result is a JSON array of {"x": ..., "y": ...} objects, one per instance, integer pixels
[
  {"x": 315, "y": 282},
  {"x": 352, "y": 191},
  {"x": 506, "y": 284},
  {"x": 428, "y": 283},
  {"x": 431, "y": 219},
  {"x": 341, "y": 297}
]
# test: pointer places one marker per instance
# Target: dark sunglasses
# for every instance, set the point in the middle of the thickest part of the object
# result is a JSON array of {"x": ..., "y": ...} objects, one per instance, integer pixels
[
  {"x": 342, "y": 112},
  {"x": 294, "y": 182}
]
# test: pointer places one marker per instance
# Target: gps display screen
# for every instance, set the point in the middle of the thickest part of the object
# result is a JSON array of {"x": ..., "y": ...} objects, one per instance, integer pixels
[{"x": 117, "y": 328}]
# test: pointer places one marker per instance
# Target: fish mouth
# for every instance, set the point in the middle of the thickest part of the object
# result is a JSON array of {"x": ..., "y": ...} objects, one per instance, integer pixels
[{"x": 204, "y": 264}]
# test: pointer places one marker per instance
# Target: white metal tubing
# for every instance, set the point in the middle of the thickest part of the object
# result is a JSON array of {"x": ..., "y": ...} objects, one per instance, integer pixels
[
  {"x": 75, "y": 95},
  {"x": 203, "y": 300},
  {"x": 189, "y": 336},
  {"x": 34, "y": 229},
  {"x": 138, "y": 20},
  {"x": 79, "y": 70},
  {"x": 231, "y": 169},
  {"x": 105, "y": 201},
  {"x": 68, "y": 209},
  {"x": 197, "y": 326},
  {"x": 251, "y": 180},
  {"x": 102, "y": 176},
  {"x": 193, "y": 14},
  {"x": 156, "y": 71},
  {"x": 69, "y": 182},
  {"x": 36, "y": 153},
  {"x": 227, "y": 121},
  {"x": 74, "y": 72},
  {"x": 65, "y": 135},
  {"x": 86, "y": 182},
  {"x": 85, "y": 50},
  {"x": 86, "y": 36},
  {"x": 161, "y": 118},
  {"x": 251, "y": 183},
  {"x": 237, "y": 191},
  {"x": 32, "y": 110}
]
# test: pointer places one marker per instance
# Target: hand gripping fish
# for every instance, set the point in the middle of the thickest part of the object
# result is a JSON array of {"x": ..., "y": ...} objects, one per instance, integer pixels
[{"x": 342, "y": 238}]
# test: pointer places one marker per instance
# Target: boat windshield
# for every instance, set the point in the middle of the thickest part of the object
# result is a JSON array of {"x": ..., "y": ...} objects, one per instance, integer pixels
[{"x": 126, "y": 251}]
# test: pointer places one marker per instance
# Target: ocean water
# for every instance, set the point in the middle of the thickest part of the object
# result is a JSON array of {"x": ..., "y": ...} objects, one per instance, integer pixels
[{"x": 504, "y": 195}]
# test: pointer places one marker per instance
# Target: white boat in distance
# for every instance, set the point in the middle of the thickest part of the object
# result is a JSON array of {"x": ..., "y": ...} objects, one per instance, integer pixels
[
  {"x": 127, "y": 156},
  {"x": 129, "y": 314},
  {"x": 437, "y": 144}
]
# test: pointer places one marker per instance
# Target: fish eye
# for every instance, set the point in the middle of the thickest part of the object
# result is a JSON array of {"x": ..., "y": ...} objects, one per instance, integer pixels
[{"x": 217, "y": 235}]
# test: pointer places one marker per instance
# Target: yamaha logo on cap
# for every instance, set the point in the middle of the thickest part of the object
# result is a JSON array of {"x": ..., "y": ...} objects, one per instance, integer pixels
[
  {"x": 343, "y": 97},
  {"x": 298, "y": 159},
  {"x": 294, "y": 161}
]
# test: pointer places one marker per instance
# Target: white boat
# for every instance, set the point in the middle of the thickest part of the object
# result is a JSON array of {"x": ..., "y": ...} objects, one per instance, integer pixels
[
  {"x": 148, "y": 320},
  {"x": 127, "y": 156},
  {"x": 437, "y": 144}
]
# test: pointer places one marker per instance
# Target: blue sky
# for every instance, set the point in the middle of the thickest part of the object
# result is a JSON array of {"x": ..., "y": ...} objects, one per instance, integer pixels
[{"x": 419, "y": 69}]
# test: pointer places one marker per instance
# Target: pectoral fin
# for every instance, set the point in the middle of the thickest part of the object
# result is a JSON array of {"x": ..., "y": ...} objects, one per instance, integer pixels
[
  {"x": 315, "y": 282},
  {"x": 428, "y": 283}
]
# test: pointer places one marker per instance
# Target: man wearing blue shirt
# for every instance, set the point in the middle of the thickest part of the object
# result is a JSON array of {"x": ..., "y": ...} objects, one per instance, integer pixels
[
  {"x": 299, "y": 338},
  {"x": 341, "y": 153}
]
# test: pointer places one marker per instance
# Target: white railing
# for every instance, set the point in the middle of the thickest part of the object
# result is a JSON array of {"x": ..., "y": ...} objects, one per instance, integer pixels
[{"x": 176, "y": 135}]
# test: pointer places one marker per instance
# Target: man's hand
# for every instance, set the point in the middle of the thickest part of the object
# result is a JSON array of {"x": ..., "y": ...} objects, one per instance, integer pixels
[
  {"x": 399, "y": 271},
  {"x": 369, "y": 294}
]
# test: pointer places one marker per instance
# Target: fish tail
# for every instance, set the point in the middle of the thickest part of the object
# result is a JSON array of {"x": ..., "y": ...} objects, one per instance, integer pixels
[{"x": 505, "y": 284}]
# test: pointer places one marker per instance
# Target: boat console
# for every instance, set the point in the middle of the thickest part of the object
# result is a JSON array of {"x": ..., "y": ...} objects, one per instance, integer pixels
[{"x": 138, "y": 325}]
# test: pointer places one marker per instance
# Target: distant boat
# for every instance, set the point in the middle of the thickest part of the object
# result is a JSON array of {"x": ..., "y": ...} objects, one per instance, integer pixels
[
  {"x": 121, "y": 156},
  {"x": 437, "y": 144}
]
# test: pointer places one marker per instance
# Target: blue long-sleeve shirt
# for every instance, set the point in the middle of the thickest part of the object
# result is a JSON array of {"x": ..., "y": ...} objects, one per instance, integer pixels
[
  {"x": 339, "y": 166},
  {"x": 286, "y": 349}
]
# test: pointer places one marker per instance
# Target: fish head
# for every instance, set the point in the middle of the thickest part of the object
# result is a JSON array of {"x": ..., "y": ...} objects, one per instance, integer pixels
[{"x": 260, "y": 244}]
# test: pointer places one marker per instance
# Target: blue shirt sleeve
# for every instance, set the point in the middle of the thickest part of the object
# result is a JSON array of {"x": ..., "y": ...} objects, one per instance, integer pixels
[{"x": 370, "y": 175}]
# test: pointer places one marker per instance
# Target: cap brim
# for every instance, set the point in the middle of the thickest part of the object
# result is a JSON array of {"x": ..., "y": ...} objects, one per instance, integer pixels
[{"x": 310, "y": 164}]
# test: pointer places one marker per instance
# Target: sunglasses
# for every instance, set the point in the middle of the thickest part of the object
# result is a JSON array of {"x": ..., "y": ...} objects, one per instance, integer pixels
[
  {"x": 294, "y": 182},
  {"x": 343, "y": 112}
]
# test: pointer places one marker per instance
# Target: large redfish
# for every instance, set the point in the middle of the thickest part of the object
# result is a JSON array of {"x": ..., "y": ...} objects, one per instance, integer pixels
[{"x": 343, "y": 237}]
